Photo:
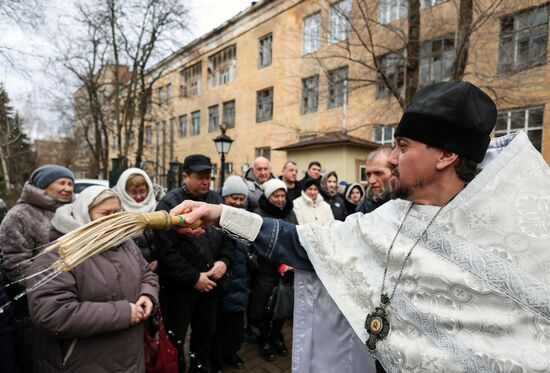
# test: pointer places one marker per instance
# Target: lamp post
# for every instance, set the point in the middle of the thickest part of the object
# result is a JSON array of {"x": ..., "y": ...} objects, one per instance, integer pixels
[{"x": 223, "y": 144}]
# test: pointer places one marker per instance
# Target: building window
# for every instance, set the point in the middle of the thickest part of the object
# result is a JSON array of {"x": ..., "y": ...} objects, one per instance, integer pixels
[
  {"x": 222, "y": 66},
  {"x": 190, "y": 81},
  {"x": 148, "y": 135},
  {"x": 390, "y": 10},
  {"x": 523, "y": 39},
  {"x": 131, "y": 139},
  {"x": 115, "y": 142},
  {"x": 311, "y": 33},
  {"x": 339, "y": 21},
  {"x": 264, "y": 152},
  {"x": 384, "y": 134},
  {"x": 264, "y": 104},
  {"x": 337, "y": 87},
  {"x": 161, "y": 96},
  {"x": 228, "y": 168},
  {"x": 264, "y": 51},
  {"x": 229, "y": 113},
  {"x": 392, "y": 65},
  {"x": 529, "y": 120},
  {"x": 195, "y": 122},
  {"x": 429, "y": 3},
  {"x": 310, "y": 94},
  {"x": 169, "y": 94},
  {"x": 436, "y": 60},
  {"x": 182, "y": 129},
  {"x": 213, "y": 118},
  {"x": 363, "y": 179}
]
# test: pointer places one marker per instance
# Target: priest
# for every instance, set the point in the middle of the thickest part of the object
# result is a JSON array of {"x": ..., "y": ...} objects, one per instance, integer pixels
[{"x": 452, "y": 274}]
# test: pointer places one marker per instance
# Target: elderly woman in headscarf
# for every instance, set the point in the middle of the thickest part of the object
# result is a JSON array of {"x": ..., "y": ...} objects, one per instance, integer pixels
[
  {"x": 329, "y": 191},
  {"x": 137, "y": 194},
  {"x": 90, "y": 319},
  {"x": 25, "y": 227}
]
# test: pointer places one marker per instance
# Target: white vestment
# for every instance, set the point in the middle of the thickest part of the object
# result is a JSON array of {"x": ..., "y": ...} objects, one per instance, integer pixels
[{"x": 475, "y": 293}]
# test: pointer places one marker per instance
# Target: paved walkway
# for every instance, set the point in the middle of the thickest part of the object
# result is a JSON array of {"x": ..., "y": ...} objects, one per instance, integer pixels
[{"x": 253, "y": 362}]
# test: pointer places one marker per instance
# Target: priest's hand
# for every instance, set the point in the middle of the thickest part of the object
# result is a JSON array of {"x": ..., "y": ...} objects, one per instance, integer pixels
[{"x": 194, "y": 210}]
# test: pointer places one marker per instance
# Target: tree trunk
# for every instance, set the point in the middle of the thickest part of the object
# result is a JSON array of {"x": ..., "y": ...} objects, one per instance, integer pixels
[
  {"x": 465, "y": 18},
  {"x": 413, "y": 50}
]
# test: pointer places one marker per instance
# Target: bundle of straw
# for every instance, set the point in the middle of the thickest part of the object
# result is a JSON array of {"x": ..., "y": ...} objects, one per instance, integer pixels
[
  {"x": 75, "y": 247},
  {"x": 99, "y": 235}
]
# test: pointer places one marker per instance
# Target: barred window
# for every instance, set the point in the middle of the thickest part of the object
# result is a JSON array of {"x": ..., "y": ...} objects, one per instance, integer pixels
[
  {"x": 190, "y": 80},
  {"x": 384, "y": 134},
  {"x": 182, "y": 129},
  {"x": 264, "y": 151},
  {"x": 264, "y": 51},
  {"x": 311, "y": 33},
  {"x": 523, "y": 39},
  {"x": 195, "y": 122},
  {"x": 229, "y": 113},
  {"x": 337, "y": 87},
  {"x": 222, "y": 66},
  {"x": 169, "y": 94},
  {"x": 390, "y": 10},
  {"x": 213, "y": 118},
  {"x": 310, "y": 94},
  {"x": 530, "y": 120},
  {"x": 148, "y": 135},
  {"x": 264, "y": 104},
  {"x": 436, "y": 60},
  {"x": 393, "y": 67},
  {"x": 340, "y": 27}
]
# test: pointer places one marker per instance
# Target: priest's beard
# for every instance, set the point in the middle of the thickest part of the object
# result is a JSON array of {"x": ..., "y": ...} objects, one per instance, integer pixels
[{"x": 405, "y": 191}]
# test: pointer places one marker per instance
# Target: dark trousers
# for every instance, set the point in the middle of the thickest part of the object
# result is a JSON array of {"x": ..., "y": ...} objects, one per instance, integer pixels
[
  {"x": 8, "y": 362},
  {"x": 229, "y": 336},
  {"x": 188, "y": 307}
]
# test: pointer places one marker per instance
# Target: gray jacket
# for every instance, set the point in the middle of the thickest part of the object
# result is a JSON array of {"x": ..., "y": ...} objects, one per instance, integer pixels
[{"x": 25, "y": 227}]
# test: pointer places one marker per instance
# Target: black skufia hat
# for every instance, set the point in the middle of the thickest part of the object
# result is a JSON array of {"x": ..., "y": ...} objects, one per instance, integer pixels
[
  {"x": 197, "y": 163},
  {"x": 455, "y": 116}
]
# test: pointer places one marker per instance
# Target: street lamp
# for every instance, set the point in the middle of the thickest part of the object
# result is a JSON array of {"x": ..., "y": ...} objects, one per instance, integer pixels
[{"x": 223, "y": 144}]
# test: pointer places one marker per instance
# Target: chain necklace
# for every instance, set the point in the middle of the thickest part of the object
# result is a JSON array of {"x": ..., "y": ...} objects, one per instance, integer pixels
[{"x": 377, "y": 323}]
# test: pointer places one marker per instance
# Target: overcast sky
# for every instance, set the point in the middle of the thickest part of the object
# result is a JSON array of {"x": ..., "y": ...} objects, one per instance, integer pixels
[{"x": 27, "y": 84}]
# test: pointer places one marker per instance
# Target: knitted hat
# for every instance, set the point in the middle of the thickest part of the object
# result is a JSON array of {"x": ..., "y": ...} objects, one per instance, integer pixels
[
  {"x": 47, "y": 174},
  {"x": 234, "y": 185},
  {"x": 456, "y": 116},
  {"x": 309, "y": 182},
  {"x": 272, "y": 185}
]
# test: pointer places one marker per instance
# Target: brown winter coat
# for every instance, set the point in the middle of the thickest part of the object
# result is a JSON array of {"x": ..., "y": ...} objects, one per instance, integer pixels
[
  {"x": 89, "y": 308},
  {"x": 25, "y": 227}
]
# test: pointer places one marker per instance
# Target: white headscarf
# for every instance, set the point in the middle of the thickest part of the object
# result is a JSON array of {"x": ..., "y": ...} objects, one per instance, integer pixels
[
  {"x": 128, "y": 204},
  {"x": 76, "y": 214}
]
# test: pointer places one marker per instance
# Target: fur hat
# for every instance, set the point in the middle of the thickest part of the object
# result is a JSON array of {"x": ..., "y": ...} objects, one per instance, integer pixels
[{"x": 456, "y": 116}]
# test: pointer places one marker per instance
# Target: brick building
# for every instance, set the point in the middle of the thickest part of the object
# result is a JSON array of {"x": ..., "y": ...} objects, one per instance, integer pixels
[{"x": 284, "y": 72}]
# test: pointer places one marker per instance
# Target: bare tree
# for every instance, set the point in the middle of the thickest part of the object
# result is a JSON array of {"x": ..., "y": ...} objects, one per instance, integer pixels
[
  {"x": 140, "y": 33},
  {"x": 383, "y": 47}
]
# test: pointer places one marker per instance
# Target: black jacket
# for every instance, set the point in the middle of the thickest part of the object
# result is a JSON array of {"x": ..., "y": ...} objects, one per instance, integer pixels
[
  {"x": 337, "y": 205},
  {"x": 267, "y": 276},
  {"x": 181, "y": 258},
  {"x": 237, "y": 284},
  {"x": 368, "y": 205}
]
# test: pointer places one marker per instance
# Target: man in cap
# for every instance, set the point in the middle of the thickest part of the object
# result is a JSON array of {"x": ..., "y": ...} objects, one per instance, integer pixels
[
  {"x": 191, "y": 269},
  {"x": 452, "y": 274}
]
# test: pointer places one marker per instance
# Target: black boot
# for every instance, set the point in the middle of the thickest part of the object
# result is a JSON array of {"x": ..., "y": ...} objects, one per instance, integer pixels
[
  {"x": 279, "y": 346},
  {"x": 266, "y": 350},
  {"x": 235, "y": 361}
]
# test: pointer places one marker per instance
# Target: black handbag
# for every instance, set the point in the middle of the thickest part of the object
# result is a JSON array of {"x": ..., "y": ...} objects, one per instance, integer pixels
[{"x": 281, "y": 301}]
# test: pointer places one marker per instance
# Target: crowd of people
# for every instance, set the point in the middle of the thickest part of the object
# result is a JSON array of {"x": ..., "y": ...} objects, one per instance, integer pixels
[
  {"x": 92, "y": 318},
  {"x": 478, "y": 271}
]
